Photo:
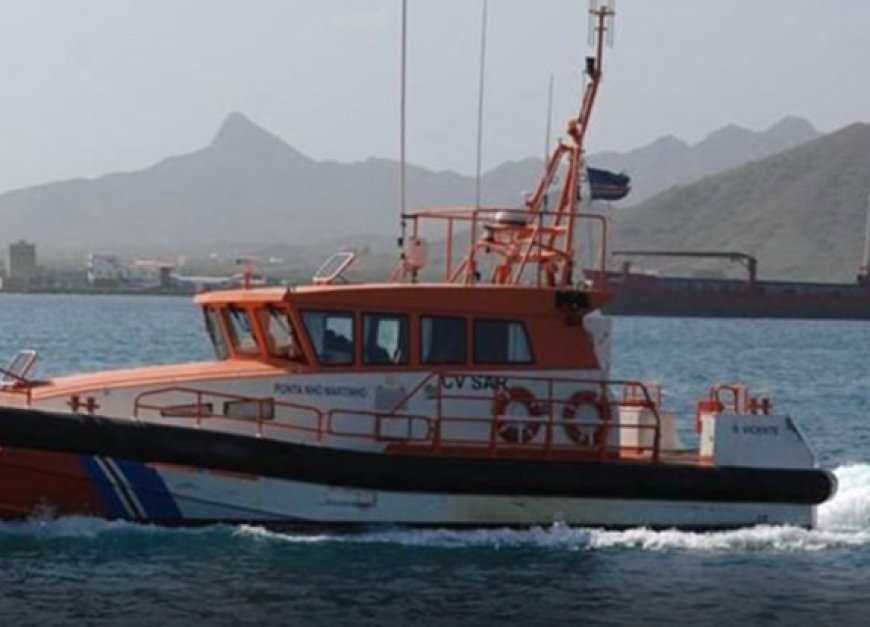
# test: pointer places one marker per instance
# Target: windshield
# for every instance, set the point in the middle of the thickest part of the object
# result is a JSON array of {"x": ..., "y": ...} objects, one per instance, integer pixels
[
  {"x": 241, "y": 332},
  {"x": 280, "y": 335},
  {"x": 215, "y": 333}
]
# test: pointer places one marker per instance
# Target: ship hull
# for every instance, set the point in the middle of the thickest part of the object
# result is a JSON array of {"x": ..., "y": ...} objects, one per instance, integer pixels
[
  {"x": 179, "y": 496},
  {"x": 650, "y": 295},
  {"x": 738, "y": 305},
  {"x": 69, "y": 464}
]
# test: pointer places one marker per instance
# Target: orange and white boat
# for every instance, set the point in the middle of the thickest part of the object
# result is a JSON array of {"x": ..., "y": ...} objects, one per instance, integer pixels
[{"x": 470, "y": 389}]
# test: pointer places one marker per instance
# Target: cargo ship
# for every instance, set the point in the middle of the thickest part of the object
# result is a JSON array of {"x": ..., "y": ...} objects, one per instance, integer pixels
[{"x": 642, "y": 293}]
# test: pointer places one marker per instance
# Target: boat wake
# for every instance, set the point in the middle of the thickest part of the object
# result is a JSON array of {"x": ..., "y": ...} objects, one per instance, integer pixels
[{"x": 843, "y": 522}]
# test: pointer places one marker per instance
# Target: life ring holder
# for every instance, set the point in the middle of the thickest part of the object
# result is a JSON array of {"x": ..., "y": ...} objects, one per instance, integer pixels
[
  {"x": 515, "y": 430},
  {"x": 579, "y": 434}
]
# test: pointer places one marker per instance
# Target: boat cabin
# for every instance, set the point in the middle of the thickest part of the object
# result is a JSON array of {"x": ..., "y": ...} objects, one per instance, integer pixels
[{"x": 403, "y": 327}]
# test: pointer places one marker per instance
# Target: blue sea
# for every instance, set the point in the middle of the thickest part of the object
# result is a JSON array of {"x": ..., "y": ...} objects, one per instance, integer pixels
[{"x": 89, "y": 572}]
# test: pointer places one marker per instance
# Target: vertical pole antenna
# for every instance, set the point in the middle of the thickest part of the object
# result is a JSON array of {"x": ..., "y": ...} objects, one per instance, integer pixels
[
  {"x": 480, "y": 94},
  {"x": 547, "y": 132},
  {"x": 402, "y": 106},
  {"x": 865, "y": 263},
  {"x": 549, "y": 121}
]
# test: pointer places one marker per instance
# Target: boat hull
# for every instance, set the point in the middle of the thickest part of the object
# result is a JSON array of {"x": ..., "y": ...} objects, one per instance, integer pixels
[
  {"x": 57, "y": 484},
  {"x": 73, "y": 464},
  {"x": 652, "y": 295}
]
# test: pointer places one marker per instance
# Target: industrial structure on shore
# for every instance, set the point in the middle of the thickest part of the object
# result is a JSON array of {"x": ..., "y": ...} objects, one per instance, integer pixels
[{"x": 102, "y": 274}]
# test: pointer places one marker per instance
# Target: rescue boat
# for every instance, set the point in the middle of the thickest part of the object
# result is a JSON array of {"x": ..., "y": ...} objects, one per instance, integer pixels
[{"x": 468, "y": 389}]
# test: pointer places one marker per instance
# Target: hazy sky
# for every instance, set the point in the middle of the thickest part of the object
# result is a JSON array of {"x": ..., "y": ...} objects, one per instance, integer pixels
[{"x": 91, "y": 86}]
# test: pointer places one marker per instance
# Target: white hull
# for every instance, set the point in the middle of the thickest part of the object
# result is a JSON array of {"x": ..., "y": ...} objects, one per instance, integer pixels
[
  {"x": 202, "y": 496},
  {"x": 256, "y": 480}
]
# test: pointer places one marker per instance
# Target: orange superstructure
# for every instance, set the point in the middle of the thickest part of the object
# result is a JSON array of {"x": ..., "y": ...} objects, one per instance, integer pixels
[{"x": 552, "y": 318}]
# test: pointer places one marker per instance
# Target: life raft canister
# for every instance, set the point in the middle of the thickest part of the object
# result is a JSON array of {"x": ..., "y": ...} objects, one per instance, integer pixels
[
  {"x": 586, "y": 435},
  {"x": 511, "y": 429}
]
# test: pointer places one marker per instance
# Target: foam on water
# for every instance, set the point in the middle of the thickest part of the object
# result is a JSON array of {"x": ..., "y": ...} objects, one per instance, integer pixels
[
  {"x": 66, "y": 527},
  {"x": 842, "y": 522},
  {"x": 849, "y": 510}
]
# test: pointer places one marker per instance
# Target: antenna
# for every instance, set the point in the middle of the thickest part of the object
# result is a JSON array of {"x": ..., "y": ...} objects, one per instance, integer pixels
[
  {"x": 605, "y": 9},
  {"x": 609, "y": 22},
  {"x": 402, "y": 107},
  {"x": 590, "y": 28},
  {"x": 601, "y": 14},
  {"x": 247, "y": 264},
  {"x": 549, "y": 121},
  {"x": 865, "y": 265},
  {"x": 480, "y": 94}
]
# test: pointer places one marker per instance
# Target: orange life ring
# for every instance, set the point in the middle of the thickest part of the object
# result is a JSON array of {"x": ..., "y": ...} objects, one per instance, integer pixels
[
  {"x": 516, "y": 431},
  {"x": 586, "y": 435}
]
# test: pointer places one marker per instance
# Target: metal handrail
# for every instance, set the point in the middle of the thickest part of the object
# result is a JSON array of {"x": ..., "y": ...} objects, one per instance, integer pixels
[
  {"x": 550, "y": 402},
  {"x": 432, "y": 433},
  {"x": 200, "y": 395},
  {"x": 485, "y": 217},
  {"x": 378, "y": 418},
  {"x": 18, "y": 378}
]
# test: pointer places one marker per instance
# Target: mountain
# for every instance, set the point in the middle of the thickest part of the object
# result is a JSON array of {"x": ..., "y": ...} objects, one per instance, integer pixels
[
  {"x": 250, "y": 187},
  {"x": 801, "y": 212},
  {"x": 670, "y": 161},
  {"x": 246, "y": 186}
]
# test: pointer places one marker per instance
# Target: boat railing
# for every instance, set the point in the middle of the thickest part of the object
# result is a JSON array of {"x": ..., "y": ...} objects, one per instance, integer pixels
[
  {"x": 202, "y": 405},
  {"x": 549, "y": 425},
  {"x": 266, "y": 413},
  {"x": 455, "y": 421},
  {"x": 19, "y": 387},
  {"x": 379, "y": 426},
  {"x": 533, "y": 239},
  {"x": 640, "y": 393}
]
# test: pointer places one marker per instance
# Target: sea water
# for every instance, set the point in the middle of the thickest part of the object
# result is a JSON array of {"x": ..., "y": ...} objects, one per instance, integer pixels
[{"x": 90, "y": 572}]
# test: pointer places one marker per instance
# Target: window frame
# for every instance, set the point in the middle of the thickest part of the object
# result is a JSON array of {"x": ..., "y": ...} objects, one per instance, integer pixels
[
  {"x": 531, "y": 361},
  {"x": 237, "y": 349},
  {"x": 344, "y": 313},
  {"x": 264, "y": 317},
  {"x": 217, "y": 335},
  {"x": 424, "y": 362},
  {"x": 406, "y": 360}
]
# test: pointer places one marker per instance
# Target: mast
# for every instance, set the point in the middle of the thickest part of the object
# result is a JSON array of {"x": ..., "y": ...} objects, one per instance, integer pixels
[
  {"x": 865, "y": 262},
  {"x": 601, "y": 18},
  {"x": 480, "y": 94},
  {"x": 548, "y": 132},
  {"x": 601, "y": 29},
  {"x": 546, "y": 238},
  {"x": 535, "y": 245},
  {"x": 403, "y": 200}
]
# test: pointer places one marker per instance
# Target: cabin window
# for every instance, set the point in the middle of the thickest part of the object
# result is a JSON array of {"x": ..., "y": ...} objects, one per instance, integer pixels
[
  {"x": 501, "y": 342},
  {"x": 385, "y": 339},
  {"x": 279, "y": 332},
  {"x": 331, "y": 333},
  {"x": 241, "y": 332},
  {"x": 442, "y": 340},
  {"x": 215, "y": 333}
]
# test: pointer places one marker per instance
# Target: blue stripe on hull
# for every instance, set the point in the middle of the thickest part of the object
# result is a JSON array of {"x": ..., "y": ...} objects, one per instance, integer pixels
[
  {"x": 105, "y": 487},
  {"x": 150, "y": 489},
  {"x": 145, "y": 484}
]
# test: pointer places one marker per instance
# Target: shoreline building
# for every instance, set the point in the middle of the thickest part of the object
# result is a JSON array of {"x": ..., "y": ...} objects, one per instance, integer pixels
[
  {"x": 111, "y": 272},
  {"x": 22, "y": 271}
]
